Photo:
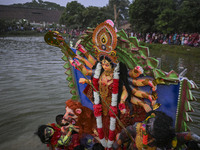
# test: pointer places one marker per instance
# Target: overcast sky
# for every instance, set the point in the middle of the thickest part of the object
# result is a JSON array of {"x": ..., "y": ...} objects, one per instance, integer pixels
[{"x": 86, "y": 3}]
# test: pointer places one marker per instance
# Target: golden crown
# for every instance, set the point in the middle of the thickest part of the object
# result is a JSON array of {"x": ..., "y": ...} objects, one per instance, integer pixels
[{"x": 105, "y": 41}]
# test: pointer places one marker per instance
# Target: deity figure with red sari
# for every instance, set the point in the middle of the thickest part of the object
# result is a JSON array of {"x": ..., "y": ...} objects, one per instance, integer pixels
[{"x": 112, "y": 95}]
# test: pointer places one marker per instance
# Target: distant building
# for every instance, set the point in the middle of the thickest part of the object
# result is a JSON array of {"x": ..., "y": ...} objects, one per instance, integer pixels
[{"x": 35, "y": 16}]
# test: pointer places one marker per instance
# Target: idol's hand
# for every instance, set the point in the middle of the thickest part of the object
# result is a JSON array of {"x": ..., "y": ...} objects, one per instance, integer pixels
[
  {"x": 152, "y": 86},
  {"x": 147, "y": 108},
  {"x": 82, "y": 80}
]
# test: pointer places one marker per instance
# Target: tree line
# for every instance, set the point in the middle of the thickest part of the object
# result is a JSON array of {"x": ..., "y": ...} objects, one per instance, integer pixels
[
  {"x": 76, "y": 15},
  {"x": 144, "y": 16},
  {"x": 164, "y": 16}
]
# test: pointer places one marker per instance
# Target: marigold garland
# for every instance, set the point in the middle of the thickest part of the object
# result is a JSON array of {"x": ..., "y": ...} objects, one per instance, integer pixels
[{"x": 97, "y": 107}]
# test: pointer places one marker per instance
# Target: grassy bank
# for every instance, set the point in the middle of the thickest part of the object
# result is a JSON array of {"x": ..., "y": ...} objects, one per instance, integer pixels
[{"x": 179, "y": 49}]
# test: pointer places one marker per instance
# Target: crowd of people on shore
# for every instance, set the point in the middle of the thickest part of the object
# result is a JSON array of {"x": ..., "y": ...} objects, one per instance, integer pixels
[
  {"x": 189, "y": 39},
  {"x": 192, "y": 39}
]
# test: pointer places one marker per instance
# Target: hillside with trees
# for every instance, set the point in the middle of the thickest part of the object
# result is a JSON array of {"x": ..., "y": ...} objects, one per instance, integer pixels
[
  {"x": 160, "y": 16},
  {"x": 40, "y": 4}
]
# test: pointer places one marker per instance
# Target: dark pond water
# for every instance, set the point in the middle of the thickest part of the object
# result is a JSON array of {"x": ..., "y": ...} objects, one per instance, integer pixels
[{"x": 33, "y": 88}]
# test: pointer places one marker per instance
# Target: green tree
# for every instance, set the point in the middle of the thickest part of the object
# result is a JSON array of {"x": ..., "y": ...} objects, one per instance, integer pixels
[
  {"x": 72, "y": 15},
  {"x": 188, "y": 16},
  {"x": 145, "y": 14},
  {"x": 165, "y": 22},
  {"x": 166, "y": 18},
  {"x": 76, "y": 15},
  {"x": 142, "y": 16},
  {"x": 92, "y": 16}
]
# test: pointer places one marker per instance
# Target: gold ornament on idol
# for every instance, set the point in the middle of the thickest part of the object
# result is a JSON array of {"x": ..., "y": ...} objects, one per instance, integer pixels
[{"x": 105, "y": 41}]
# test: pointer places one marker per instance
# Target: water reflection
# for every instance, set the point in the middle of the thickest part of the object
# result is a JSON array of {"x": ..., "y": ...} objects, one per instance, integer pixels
[
  {"x": 179, "y": 62},
  {"x": 33, "y": 88}
]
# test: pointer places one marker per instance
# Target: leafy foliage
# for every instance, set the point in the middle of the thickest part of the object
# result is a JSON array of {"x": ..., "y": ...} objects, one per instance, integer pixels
[
  {"x": 144, "y": 13},
  {"x": 188, "y": 14},
  {"x": 72, "y": 15},
  {"x": 165, "y": 22},
  {"x": 166, "y": 16},
  {"x": 91, "y": 16}
]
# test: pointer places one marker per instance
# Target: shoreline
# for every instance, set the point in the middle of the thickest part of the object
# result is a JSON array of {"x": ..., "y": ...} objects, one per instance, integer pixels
[
  {"x": 179, "y": 49},
  {"x": 21, "y": 33}
]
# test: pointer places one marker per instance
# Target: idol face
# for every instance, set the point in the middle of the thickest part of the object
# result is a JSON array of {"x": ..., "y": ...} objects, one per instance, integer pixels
[
  {"x": 106, "y": 65},
  {"x": 70, "y": 117}
]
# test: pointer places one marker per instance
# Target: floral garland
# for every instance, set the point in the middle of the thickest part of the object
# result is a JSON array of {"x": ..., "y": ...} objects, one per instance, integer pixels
[
  {"x": 144, "y": 131},
  {"x": 98, "y": 106},
  {"x": 144, "y": 136}
]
